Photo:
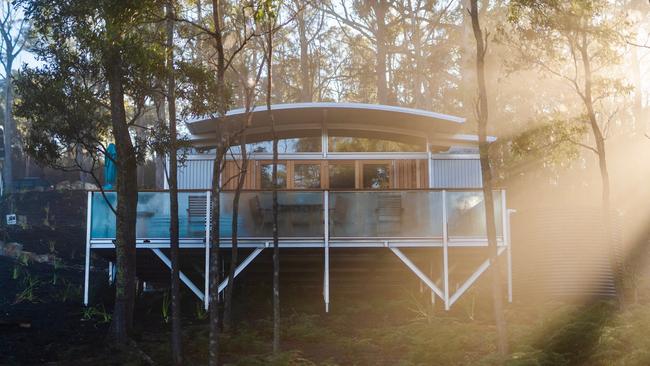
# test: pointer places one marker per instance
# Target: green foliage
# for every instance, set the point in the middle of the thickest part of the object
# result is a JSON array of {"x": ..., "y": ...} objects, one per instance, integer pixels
[
  {"x": 69, "y": 291},
  {"x": 30, "y": 285},
  {"x": 165, "y": 307},
  {"x": 66, "y": 101},
  {"x": 199, "y": 311},
  {"x": 97, "y": 313}
]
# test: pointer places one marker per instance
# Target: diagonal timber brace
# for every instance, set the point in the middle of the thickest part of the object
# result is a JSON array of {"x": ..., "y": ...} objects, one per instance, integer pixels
[
  {"x": 418, "y": 272},
  {"x": 241, "y": 267},
  {"x": 444, "y": 295},
  {"x": 182, "y": 275},
  {"x": 470, "y": 281}
]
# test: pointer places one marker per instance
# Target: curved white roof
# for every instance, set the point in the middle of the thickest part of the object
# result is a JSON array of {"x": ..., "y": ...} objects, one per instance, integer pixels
[{"x": 356, "y": 118}]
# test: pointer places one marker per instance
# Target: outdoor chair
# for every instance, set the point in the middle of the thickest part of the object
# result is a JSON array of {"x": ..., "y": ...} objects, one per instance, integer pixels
[{"x": 389, "y": 214}]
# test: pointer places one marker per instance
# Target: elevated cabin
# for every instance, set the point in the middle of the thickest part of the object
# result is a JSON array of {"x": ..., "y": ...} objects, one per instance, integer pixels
[{"x": 350, "y": 176}]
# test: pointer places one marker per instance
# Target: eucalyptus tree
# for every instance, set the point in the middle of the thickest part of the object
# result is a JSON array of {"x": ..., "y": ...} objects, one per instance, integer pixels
[
  {"x": 580, "y": 43},
  {"x": 482, "y": 116},
  {"x": 374, "y": 21},
  {"x": 267, "y": 15},
  {"x": 174, "y": 244},
  {"x": 14, "y": 28},
  {"x": 98, "y": 58}
]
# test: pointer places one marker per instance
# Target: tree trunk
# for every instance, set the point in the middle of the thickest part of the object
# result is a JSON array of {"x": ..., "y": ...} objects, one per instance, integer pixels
[
  {"x": 7, "y": 168},
  {"x": 482, "y": 116},
  {"x": 604, "y": 172},
  {"x": 217, "y": 168},
  {"x": 274, "y": 179},
  {"x": 215, "y": 278},
  {"x": 241, "y": 179},
  {"x": 306, "y": 94},
  {"x": 127, "y": 201},
  {"x": 176, "y": 341},
  {"x": 382, "y": 87}
]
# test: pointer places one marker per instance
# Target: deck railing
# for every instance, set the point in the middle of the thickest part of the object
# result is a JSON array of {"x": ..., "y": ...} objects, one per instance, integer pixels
[
  {"x": 349, "y": 215},
  {"x": 314, "y": 219}
]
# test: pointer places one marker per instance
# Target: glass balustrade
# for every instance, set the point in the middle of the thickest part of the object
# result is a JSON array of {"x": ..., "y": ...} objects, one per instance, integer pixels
[
  {"x": 466, "y": 214},
  {"x": 388, "y": 214},
  {"x": 351, "y": 214},
  {"x": 300, "y": 214}
]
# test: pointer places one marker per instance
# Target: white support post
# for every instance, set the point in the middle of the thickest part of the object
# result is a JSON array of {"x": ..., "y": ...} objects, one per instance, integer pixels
[
  {"x": 206, "y": 280},
  {"x": 111, "y": 268},
  {"x": 417, "y": 271},
  {"x": 182, "y": 275},
  {"x": 326, "y": 236},
  {"x": 445, "y": 250},
  {"x": 509, "y": 255},
  {"x": 87, "y": 259},
  {"x": 324, "y": 136},
  {"x": 241, "y": 267},
  {"x": 429, "y": 165}
]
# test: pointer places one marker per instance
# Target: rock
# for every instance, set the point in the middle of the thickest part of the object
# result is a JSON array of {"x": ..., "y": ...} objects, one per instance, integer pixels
[{"x": 12, "y": 250}]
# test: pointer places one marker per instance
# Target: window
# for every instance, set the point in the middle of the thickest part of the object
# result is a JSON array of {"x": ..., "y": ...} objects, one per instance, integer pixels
[
  {"x": 306, "y": 176},
  {"x": 376, "y": 176},
  {"x": 267, "y": 176},
  {"x": 294, "y": 145},
  {"x": 341, "y": 176},
  {"x": 361, "y": 144}
]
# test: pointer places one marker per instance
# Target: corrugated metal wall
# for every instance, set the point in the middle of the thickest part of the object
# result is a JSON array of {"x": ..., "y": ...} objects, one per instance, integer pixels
[
  {"x": 446, "y": 173},
  {"x": 195, "y": 174},
  {"x": 563, "y": 252},
  {"x": 456, "y": 173}
]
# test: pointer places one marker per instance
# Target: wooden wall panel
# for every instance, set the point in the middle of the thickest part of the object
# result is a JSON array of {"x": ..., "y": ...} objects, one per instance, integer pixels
[
  {"x": 231, "y": 170},
  {"x": 409, "y": 174},
  {"x": 406, "y": 174}
]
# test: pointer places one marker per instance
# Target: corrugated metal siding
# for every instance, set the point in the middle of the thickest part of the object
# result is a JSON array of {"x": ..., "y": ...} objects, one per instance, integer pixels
[
  {"x": 564, "y": 252},
  {"x": 447, "y": 173},
  {"x": 456, "y": 173},
  {"x": 195, "y": 174}
]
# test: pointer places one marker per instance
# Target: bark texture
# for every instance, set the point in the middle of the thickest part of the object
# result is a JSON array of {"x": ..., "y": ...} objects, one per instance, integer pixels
[
  {"x": 482, "y": 117},
  {"x": 127, "y": 201},
  {"x": 176, "y": 340}
]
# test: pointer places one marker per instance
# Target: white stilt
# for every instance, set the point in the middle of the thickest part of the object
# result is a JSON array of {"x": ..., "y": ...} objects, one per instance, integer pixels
[
  {"x": 206, "y": 280},
  {"x": 445, "y": 250},
  {"x": 89, "y": 206},
  {"x": 326, "y": 272}
]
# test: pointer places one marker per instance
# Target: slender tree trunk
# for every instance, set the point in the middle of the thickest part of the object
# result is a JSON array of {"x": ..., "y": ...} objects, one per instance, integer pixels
[
  {"x": 306, "y": 93},
  {"x": 7, "y": 168},
  {"x": 176, "y": 341},
  {"x": 127, "y": 201},
  {"x": 274, "y": 179},
  {"x": 604, "y": 172},
  {"x": 482, "y": 116},
  {"x": 215, "y": 229},
  {"x": 382, "y": 87},
  {"x": 241, "y": 179},
  {"x": 215, "y": 278}
]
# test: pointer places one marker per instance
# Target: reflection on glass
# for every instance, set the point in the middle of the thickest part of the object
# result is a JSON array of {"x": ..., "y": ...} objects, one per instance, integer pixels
[
  {"x": 361, "y": 144},
  {"x": 294, "y": 145},
  {"x": 341, "y": 176},
  {"x": 267, "y": 176},
  {"x": 153, "y": 215},
  {"x": 300, "y": 214},
  {"x": 466, "y": 214},
  {"x": 411, "y": 214},
  {"x": 376, "y": 176},
  {"x": 306, "y": 176}
]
